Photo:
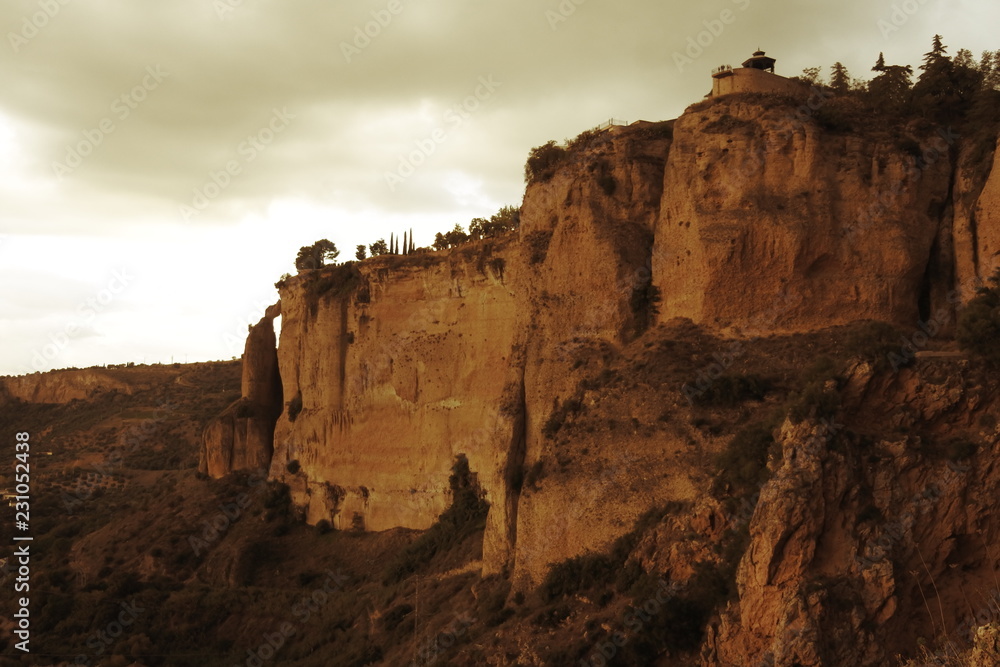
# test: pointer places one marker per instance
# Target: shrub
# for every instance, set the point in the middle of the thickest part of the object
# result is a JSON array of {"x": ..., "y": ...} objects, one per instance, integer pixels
[
  {"x": 592, "y": 570},
  {"x": 644, "y": 303},
  {"x": 743, "y": 464},
  {"x": 979, "y": 324},
  {"x": 323, "y": 527},
  {"x": 294, "y": 407},
  {"x": 817, "y": 400},
  {"x": 571, "y": 406},
  {"x": 543, "y": 161},
  {"x": 465, "y": 516},
  {"x": 873, "y": 341},
  {"x": 731, "y": 390},
  {"x": 538, "y": 246},
  {"x": 535, "y": 474},
  {"x": 293, "y": 466}
]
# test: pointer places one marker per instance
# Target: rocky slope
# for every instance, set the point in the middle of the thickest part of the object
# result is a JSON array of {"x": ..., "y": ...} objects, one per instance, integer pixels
[{"x": 554, "y": 360}]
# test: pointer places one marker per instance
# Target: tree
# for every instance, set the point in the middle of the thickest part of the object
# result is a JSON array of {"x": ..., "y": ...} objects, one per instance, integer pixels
[
  {"x": 361, "y": 252},
  {"x": 979, "y": 323},
  {"x": 880, "y": 63},
  {"x": 456, "y": 236},
  {"x": 543, "y": 162},
  {"x": 412, "y": 245},
  {"x": 439, "y": 242},
  {"x": 379, "y": 248},
  {"x": 811, "y": 75},
  {"x": 840, "y": 80},
  {"x": 889, "y": 92},
  {"x": 477, "y": 227},
  {"x": 506, "y": 219},
  {"x": 316, "y": 255}
]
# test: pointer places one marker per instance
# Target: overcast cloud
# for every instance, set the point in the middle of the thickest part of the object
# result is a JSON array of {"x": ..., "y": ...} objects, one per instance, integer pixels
[{"x": 192, "y": 146}]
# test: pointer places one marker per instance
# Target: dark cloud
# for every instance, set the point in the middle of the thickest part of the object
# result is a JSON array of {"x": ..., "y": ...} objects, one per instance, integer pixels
[{"x": 183, "y": 89}]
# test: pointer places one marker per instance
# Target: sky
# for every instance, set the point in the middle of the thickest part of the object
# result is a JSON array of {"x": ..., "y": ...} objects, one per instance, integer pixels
[{"x": 161, "y": 163}]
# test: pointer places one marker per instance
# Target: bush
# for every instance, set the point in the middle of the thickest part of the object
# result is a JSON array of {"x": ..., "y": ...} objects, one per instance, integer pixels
[
  {"x": 293, "y": 466},
  {"x": 644, "y": 303},
  {"x": 465, "y": 516},
  {"x": 743, "y": 464},
  {"x": 873, "y": 342},
  {"x": 543, "y": 162},
  {"x": 817, "y": 400},
  {"x": 731, "y": 390},
  {"x": 594, "y": 570},
  {"x": 979, "y": 324},
  {"x": 294, "y": 408},
  {"x": 535, "y": 474},
  {"x": 538, "y": 246}
]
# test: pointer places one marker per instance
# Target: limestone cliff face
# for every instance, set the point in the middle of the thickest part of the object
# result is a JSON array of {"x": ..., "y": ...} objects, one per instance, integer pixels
[
  {"x": 242, "y": 437},
  {"x": 976, "y": 220},
  {"x": 390, "y": 369},
  {"x": 582, "y": 280},
  {"x": 60, "y": 386},
  {"x": 748, "y": 218},
  {"x": 768, "y": 221}
]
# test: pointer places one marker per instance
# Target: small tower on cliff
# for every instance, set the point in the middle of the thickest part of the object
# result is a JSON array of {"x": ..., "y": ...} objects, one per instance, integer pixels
[
  {"x": 756, "y": 76},
  {"x": 760, "y": 61}
]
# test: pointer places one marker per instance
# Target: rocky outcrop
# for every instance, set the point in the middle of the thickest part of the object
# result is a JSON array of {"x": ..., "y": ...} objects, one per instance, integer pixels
[
  {"x": 860, "y": 544},
  {"x": 770, "y": 222},
  {"x": 390, "y": 369},
  {"x": 242, "y": 437}
]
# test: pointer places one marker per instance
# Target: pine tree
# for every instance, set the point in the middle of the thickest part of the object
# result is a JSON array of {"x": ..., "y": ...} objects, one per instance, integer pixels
[
  {"x": 880, "y": 64},
  {"x": 840, "y": 80}
]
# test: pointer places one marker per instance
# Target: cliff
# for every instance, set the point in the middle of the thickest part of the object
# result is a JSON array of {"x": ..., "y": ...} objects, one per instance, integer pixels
[{"x": 556, "y": 360}]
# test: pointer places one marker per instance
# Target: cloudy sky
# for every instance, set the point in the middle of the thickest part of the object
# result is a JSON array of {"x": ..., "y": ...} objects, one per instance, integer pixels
[{"x": 162, "y": 162}]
